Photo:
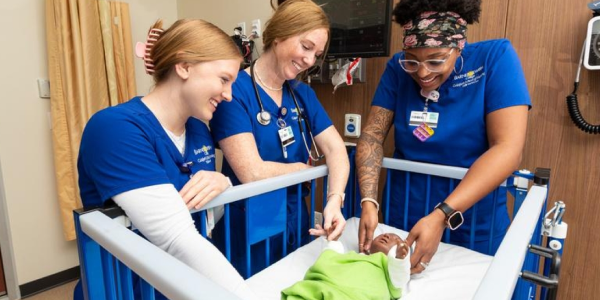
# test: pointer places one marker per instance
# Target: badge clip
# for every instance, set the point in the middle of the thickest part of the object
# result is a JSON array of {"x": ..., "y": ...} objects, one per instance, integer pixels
[{"x": 434, "y": 95}]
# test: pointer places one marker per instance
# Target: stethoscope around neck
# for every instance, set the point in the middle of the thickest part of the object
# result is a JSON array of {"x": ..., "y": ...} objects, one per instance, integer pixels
[{"x": 264, "y": 117}]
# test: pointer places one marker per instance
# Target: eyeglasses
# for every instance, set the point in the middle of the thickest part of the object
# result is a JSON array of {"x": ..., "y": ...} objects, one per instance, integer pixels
[{"x": 431, "y": 65}]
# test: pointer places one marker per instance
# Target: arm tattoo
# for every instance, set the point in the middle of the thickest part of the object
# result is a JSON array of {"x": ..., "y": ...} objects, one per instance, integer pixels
[{"x": 369, "y": 152}]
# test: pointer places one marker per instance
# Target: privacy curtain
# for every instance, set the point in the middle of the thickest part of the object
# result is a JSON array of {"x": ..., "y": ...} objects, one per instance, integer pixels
[
  {"x": 118, "y": 50},
  {"x": 83, "y": 79}
]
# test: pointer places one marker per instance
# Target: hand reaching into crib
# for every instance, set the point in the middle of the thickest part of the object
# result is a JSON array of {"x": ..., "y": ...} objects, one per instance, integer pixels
[
  {"x": 368, "y": 222},
  {"x": 334, "y": 222},
  {"x": 203, "y": 187},
  {"x": 333, "y": 225},
  {"x": 428, "y": 234}
]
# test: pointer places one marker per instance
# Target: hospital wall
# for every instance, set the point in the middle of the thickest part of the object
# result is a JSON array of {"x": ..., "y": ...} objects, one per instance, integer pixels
[
  {"x": 227, "y": 14},
  {"x": 26, "y": 163},
  {"x": 548, "y": 38}
]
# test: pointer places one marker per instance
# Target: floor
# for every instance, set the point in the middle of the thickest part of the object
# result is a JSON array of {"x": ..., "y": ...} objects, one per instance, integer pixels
[{"x": 62, "y": 292}]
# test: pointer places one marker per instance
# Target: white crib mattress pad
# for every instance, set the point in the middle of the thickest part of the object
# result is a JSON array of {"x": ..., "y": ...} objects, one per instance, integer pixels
[{"x": 453, "y": 273}]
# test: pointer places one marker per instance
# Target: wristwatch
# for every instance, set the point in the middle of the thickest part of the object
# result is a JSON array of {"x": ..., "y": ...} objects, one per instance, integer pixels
[{"x": 454, "y": 218}]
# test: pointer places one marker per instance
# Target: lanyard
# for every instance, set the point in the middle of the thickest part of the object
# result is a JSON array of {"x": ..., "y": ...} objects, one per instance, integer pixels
[
  {"x": 434, "y": 96},
  {"x": 264, "y": 118},
  {"x": 423, "y": 130}
]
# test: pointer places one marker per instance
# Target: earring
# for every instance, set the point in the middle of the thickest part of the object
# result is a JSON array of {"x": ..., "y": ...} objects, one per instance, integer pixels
[{"x": 462, "y": 64}]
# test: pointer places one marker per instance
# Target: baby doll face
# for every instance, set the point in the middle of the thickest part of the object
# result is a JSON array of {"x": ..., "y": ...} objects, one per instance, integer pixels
[{"x": 384, "y": 242}]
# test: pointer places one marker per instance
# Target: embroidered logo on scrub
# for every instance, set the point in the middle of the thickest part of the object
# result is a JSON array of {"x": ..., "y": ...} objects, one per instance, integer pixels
[
  {"x": 208, "y": 156},
  {"x": 423, "y": 132},
  {"x": 204, "y": 150},
  {"x": 295, "y": 111},
  {"x": 471, "y": 77}
]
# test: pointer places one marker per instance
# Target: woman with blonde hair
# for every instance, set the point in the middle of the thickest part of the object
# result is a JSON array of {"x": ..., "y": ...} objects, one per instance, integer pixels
[
  {"x": 154, "y": 157},
  {"x": 275, "y": 124}
]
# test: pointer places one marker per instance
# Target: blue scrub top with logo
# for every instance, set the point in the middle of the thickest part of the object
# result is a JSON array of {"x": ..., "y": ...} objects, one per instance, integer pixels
[
  {"x": 491, "y": 78},
  {"x": 125, "y": 147},
  {"x": 239, "y": 116}
]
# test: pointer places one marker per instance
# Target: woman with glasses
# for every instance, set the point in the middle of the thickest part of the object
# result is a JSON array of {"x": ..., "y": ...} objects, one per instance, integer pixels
[
  {"x": 275, "y": 124},
  {"x": 451, "y": 103}
]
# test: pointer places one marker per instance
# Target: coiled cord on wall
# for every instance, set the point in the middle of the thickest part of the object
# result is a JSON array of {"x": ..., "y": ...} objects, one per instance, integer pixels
[
  {"x": 576, "y": 116},
  {"x": 573, "y": 105}
]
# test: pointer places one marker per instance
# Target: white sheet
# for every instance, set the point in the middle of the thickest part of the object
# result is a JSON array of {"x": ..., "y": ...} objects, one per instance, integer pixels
[{"x": 454, "y": 272}]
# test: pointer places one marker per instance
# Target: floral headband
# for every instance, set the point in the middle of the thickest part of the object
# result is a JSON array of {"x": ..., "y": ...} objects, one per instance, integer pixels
[{"x": 434, "y": 29}]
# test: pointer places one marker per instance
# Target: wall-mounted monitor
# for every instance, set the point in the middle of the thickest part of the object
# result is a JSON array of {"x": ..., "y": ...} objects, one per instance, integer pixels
[
  {"x": 592, "y": 45},
  {"x": 359, "y": 28}
]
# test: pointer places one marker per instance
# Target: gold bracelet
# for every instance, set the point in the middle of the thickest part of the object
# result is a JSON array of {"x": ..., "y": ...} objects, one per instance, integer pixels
[
  {"x": 366, "y": 199},
  {"x": 342, "y": 196}
]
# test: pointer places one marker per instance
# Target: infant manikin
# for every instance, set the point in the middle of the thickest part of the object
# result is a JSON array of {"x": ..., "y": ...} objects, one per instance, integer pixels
[{"x": 337, "y": 274}]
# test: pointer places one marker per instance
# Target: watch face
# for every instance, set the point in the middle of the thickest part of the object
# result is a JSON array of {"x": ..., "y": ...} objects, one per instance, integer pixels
[{"x": 455, "y": 220}]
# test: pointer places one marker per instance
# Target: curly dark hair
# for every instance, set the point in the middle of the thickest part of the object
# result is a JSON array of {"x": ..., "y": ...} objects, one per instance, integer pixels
[{"x": 407, "y": 10}]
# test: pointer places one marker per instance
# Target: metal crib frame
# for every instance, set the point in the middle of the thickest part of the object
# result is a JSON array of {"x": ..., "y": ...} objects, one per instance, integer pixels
[{"x": 109, "y": 251}]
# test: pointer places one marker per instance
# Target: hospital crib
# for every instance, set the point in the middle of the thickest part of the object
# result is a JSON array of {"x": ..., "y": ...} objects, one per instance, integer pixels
[{"x": 110, "y": 252}]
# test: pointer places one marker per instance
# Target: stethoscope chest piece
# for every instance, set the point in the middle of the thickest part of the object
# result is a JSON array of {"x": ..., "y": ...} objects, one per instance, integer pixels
[{"x": 263, "y": 117}]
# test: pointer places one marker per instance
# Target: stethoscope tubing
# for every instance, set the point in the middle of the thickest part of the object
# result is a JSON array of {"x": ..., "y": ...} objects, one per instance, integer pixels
[
  {"x": 263, "y": 113},
  {"x": 264, "y": 117}
]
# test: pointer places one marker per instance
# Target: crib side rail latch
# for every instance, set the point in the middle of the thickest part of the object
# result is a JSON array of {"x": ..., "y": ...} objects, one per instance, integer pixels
[{"x": 551, "y": 280}]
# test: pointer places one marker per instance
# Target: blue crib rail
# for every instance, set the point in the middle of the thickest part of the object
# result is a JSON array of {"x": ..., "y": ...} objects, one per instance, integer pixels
[
  {"x": 452, "y": 174},
  {"x": 106, "y": 277}
]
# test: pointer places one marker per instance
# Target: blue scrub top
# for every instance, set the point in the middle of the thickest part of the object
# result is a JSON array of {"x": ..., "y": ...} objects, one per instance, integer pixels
[
  {"x": 491, "y": 79},
  {"x": 239, "y": 116},
  {"x": 125, "y": 147}
]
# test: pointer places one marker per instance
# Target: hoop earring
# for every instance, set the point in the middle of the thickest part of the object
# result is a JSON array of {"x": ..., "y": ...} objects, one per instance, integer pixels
[{"x": 462, "y": 64}]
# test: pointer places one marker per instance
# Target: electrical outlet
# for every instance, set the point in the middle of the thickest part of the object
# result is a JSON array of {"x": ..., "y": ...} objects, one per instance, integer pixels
[
  {"x": 243, "y": 26},
  {"x": 256, "y": 29},
  {"x": 352, "y": 125},
  {"x": 43, "y": 88}
]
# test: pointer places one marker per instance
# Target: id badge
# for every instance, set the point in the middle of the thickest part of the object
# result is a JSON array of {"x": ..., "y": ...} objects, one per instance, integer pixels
[
  {"x": 286, "y": 135},
  {"x": 419, "y": 117}
]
